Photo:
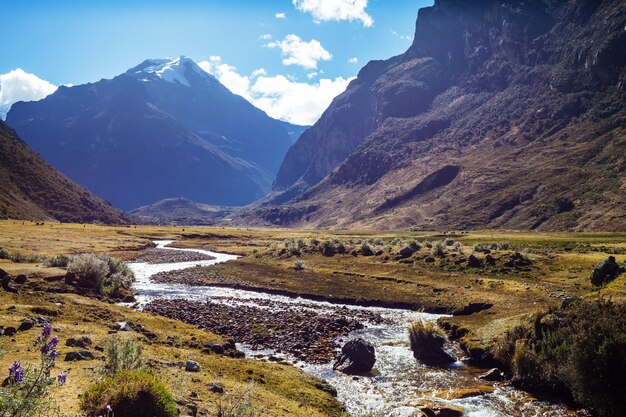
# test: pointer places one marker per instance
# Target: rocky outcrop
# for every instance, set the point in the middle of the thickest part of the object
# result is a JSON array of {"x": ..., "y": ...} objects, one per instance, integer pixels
[
  {"x": 605, "y": 272},
  {"x": 479, "y": 123},
  {"x": 357, "y": 357}
]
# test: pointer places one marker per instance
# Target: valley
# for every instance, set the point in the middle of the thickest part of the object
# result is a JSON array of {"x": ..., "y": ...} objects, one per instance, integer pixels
[{"x": 286, "y": 270}]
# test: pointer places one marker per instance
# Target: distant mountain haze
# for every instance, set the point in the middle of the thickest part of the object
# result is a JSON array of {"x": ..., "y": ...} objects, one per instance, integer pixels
[{"x": 165, "y": 128}]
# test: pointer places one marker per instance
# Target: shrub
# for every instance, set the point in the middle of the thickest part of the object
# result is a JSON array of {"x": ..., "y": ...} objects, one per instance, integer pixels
[
  {"x": 122, "y": 356},
  {"x": 6, "y": 254},
  {"x": 503, "y": 245},
  {"x": 438, "y": 249},
  {"x": 58, "y": 261},
  {"x": 129, "y": 393},
  {"x": 449, "y": 241},
  {"x": 580, "y": 348},
  {"x": 298, "y": 265},
  {"x": 103, "y": 273}
]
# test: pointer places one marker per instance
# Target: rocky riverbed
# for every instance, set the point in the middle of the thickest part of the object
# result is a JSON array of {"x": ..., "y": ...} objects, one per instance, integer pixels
[
  {"x": 164, "y": 256},
  {"x": 298, "y": 330}
]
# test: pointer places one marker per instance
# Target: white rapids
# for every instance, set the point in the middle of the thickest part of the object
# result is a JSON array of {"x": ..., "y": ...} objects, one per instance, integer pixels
[{"x": 399, "y": 383}]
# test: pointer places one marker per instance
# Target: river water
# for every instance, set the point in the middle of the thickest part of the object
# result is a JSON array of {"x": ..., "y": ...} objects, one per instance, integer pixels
[{"x": 399, "y": 383}]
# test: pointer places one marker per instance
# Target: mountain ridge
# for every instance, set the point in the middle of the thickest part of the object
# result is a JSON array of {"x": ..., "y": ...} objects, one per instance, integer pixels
[
  {"x": 163, "y": 128},
  {"x": 513, "y": 98},
  {"x": 30, "y": 189}
]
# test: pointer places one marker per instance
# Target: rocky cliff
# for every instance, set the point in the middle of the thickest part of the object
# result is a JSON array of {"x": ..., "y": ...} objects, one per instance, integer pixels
[{"x": 508, "y": 114}]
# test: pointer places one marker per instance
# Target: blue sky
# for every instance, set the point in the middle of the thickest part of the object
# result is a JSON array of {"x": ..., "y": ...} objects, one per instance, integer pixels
[{"x": 74, "y": 42}]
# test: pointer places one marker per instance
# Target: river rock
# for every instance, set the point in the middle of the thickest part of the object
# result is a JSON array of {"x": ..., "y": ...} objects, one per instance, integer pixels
[
  {"x": 357, "y": 357},
  {"x": 439, "y": 410},
  {"x": 492, "y": 375},
  {"x": 605, "y": 272}
]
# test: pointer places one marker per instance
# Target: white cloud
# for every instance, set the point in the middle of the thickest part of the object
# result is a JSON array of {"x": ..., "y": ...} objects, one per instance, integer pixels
[
  {"x": 279, "y": 96},
  {"x": 312, "y": 75},
  {"x": 403, "y": 37},
  {"x": 336, "y": 10},
  {"x": 18, "y": 85},
  {"x": 353, "y": 60},
  {"x": 280, "y": 16},
  {"x": 298, "y": 52},
  {"x": 265, "y": 36}
]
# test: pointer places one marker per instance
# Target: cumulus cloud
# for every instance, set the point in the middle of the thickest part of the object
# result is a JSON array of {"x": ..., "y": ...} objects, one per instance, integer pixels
[
  {"x": 298, "y": 52},
  {"x": 18, "y": 85},
  {"x": 280, "y": 16},
  {"x": 280, "y": 97},
  {"x": 336, "y": 10},
  {"x": 265, "y": 36},
  {"x": 353, "y": 60}
]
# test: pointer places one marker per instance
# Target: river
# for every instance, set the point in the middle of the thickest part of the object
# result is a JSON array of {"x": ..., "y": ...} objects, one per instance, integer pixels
[{"x": 399, "y": 383}]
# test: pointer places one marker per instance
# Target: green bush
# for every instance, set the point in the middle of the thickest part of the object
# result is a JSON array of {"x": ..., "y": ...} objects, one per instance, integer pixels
[
  {"x": 130, "y": 394},
  {"x": 580, "y": 349},
  {"x": 58, "y": 261},
  {"x": 122, "y": 356},
  {"x": 103, "y": 273}
]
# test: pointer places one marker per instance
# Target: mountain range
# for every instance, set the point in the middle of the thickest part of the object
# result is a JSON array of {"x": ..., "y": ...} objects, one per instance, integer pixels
[
  {"x": 164, "y": 128},
  {"x": 31, "y": 189},
  {"x": 501, "y": 114}
]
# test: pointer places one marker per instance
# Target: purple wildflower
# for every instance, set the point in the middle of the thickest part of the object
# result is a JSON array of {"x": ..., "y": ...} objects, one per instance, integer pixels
[
  {"x": 47, "y": 330},
  {"x": 54, "y": 342},
  {"x": 16, "y": 373},
  {"x": 62, "y": 378}
]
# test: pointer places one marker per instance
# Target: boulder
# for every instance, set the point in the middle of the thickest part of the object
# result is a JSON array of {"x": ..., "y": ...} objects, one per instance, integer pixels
[
  {"x": 492, "y": 375},
  {"x": 26, "y": 325},
  {"x": 490, "y": 260},
  {"x": 605, "y": 272},
  {"x": 79, "y": 355},
  {"x": 122, "y": 326},
  {"x": 192, "y": 366},
  {"x": 474, "y": 262},
  {"x": 357, "y": 357},
  {"x": 3, "y": 273},
  {"x": 406, "y": 252},
  {"x": 21, "y": 279},
  {"x": 6, "y": 285},
  {"x": 440, "y": 410}
]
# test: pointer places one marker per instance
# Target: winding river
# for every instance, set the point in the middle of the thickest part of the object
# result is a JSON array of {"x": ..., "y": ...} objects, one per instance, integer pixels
[{"x": 399, "y": 383}]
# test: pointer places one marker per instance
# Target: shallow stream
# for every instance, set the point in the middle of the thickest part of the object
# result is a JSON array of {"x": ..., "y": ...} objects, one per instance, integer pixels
[{"x": 399, "y": 382}]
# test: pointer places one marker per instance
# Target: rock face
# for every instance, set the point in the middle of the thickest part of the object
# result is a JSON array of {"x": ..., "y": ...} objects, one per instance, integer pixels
[
  {"x": 479, "y": 123},
  {"x": 163, "y": 129},
  {"x": 31, "y": 189},
  {"x": 357, "y": 357},
  {"x": 606, "y": 271}
]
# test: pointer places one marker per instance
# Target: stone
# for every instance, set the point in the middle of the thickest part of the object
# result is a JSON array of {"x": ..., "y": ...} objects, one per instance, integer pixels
[
  {"x": 216, "y": 388},
  {"x": 406, "y": 252},
  {"x": 605, "y": 272},
  {"x": 492, "y": 375},
  {"x": 6, "y": 285},
  {"x": 21, "y": 279},
  {"x": 26, "y": 325},
  {"x": 122, "y": 326},
  {"x": 192, "y": 366},
  {"x": 3, "y": 273},
  {"x": 79, "y": 355},
  {"x": 82, "y": 342},
  {"x": 474, "y": 262},
  {"x": 357, "y": 357},
  {"x": 9, "y": 331},
  {"x": 440, "y": 410}
]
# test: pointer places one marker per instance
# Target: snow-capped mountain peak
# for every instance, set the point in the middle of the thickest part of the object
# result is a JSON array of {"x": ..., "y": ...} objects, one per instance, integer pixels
[{"x": 173, "y": 70}]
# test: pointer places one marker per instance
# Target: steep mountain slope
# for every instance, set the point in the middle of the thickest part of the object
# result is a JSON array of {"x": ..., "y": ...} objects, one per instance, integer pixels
[
  {"x": 508, "y": 114},
  {"x": 164, "y": 128},
  {"x": 30, "y": 189},
  {"x": 180, "y": 211}
]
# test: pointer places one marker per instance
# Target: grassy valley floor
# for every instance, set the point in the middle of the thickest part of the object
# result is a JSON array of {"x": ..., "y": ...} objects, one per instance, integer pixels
[{"x": 486, "y": 295}]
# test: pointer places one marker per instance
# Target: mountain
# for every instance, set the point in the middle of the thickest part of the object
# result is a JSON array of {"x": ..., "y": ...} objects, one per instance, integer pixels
[
  {"x": 180, "y": 211},
  {"x": 30, "y": 189},
  {"x": 164, "y": 128},
  {"x": 295, "y": 131},
  {"x": 501, "y": 114}
]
